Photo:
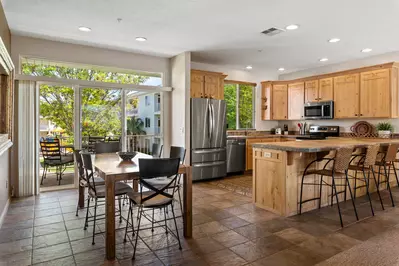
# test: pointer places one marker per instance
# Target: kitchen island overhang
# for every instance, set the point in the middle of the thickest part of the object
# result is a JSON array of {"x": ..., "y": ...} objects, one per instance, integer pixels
[{"x": 278, "y": 169}]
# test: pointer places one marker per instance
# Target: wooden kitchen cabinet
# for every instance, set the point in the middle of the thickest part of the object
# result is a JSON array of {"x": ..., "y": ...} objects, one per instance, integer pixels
[
  {"x": 249, "y": 150},
  {"x": 311, "y": 90},
  {"x": 266, "y": 95},
  {"x": 346, "y": 96},
  {"x": 375, "y": 93},
  {"x": 280, "y": 102},
  {"x": 295, "y": 100},
  {"x": 206, "y": 84},
  {"x": 326, "y": 89}
]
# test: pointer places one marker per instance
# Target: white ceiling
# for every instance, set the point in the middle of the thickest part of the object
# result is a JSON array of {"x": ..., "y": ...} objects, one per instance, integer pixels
[{"x": 223, "y": 32}]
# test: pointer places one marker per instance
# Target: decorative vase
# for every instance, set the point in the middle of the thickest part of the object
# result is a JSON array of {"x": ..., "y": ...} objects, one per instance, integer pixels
[{"x": 385, "y": 134}]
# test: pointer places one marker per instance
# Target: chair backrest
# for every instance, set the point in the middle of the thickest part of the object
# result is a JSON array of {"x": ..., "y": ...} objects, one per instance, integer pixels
[
  {"x": 156, "y": 150},
  {"x": 51, "y": 150},
  {"x": 371, "y": 155},
  {"x": 106, "y": 147},
  {"x": 342, "y": 159},
  {"x": 88, "y": 170},
  {"x": 79, "y": 164},
  {"x": 391, "y": 152},
  {"x": 178, "y": 152},
  {"x": 153, "y": 168}
]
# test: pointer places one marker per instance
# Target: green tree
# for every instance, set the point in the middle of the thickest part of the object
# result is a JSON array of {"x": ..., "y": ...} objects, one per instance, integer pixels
[
  {"x": 230, "y": 96},
  {"x": 101, "y": 110},
  {"x": 245, "y": 105},
  {"x": 135, "y": 126}
]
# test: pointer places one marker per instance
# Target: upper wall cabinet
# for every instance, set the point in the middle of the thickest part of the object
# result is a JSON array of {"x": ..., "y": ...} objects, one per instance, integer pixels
[
  {"x": 279, "y": 102},
  {"x": 206, "y": 84},
  {"x": 346, "y": 96},
  {"x": 319, "y": 90},
  {"x": 295, "y": 100},
  {"x": 266, "y": 99},
  {"x": 375, "y": 93}
]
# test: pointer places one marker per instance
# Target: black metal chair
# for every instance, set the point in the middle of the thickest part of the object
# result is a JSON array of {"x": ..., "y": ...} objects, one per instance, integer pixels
[
  {"x": 52, "y": 157},
  {"x": 107, "y": 147},
  {"x": 156, "y": 197},
  {"x": 339, "y": 170},
  {"x": 82, "y": 177},
  {"x": 364, "y": 163},
  {"x": 388, "y": 160},
  {"x": 156, "y": 150},
  {"x": 97, "y": 192},
  {"x": 114, "y": 139}
]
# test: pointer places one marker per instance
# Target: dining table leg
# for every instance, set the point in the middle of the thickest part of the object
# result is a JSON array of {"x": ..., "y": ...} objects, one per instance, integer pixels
[
  {"x": 110, "y": 217},
  {"x": 187, "y": 203}
]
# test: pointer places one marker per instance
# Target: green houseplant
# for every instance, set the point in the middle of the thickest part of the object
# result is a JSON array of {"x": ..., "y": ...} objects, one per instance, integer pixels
[{"x": 384, "y": 129}]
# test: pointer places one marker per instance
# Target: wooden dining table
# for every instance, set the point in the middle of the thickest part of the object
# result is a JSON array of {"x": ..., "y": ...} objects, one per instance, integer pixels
[{"x": 112, "y": 169}]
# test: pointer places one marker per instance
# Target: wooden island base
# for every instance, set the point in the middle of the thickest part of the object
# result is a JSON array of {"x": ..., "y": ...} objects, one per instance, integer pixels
[{"x": 277, "y": 178}]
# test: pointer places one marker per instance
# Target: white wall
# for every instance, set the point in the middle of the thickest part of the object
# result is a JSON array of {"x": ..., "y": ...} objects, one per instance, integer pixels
[
  {"x": 344, "y": 124},
  {"x": 180, "y": 104},
  {"x": 249, "y": 76},
  {"x": 73, "y": 53}
]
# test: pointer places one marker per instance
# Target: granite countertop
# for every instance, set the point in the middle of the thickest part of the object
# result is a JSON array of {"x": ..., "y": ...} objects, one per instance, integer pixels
[
  {"x": 262, "y": 136},
  {"x": 322, "y": 145}
]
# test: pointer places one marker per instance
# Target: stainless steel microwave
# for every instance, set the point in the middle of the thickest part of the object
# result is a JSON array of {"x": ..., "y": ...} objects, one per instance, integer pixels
[{"x": 319, "y": 110}]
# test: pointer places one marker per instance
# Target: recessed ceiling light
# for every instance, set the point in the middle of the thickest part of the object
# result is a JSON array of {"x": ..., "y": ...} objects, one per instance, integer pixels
[
  {"x": 248, "y": 67},
  {"x": 334, "y": 40},
  {"x": 281, "y": 69},
  {"x": 323, "y": 59},
  {"x": 85, "y": 29},
  {"x": 367, "y": 50},
  {"x": 292, "y": 27},
  {"x": 141, "y": 39}
]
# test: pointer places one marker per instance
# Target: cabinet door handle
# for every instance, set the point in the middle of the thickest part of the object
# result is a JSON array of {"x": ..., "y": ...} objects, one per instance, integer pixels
[
  {"x": 355, "y": 114},
  {"x": 361, "y": 114}
]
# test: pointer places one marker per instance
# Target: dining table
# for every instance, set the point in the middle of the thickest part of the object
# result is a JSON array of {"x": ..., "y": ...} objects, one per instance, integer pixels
[{"x": 112, "y": 169}]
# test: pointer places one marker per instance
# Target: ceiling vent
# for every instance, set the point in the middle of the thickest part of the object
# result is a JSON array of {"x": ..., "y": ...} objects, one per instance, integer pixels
[{"x": 272, "y": 31}]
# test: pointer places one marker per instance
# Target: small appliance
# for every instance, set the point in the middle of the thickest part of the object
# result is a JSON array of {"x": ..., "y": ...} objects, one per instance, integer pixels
[
  {"x": 320, "y": 132},
  {"x": 319, "y": 110},
  {"x": 278, "y": 131}
]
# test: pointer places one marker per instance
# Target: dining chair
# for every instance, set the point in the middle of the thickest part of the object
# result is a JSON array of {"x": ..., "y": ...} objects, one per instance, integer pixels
[
  {"x": 82, "y": 177},
  {"x": 107, "y": 147},
  {"x": 52, "y": 157},
  {"x": 156, "y": 150},
  {"x": 97, "y": 192},
  {"x": 155, "y": 197}
]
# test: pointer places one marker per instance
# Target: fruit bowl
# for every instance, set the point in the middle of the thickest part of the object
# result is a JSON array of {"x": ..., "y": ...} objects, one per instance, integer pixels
[{"x": 127, "y": 156}]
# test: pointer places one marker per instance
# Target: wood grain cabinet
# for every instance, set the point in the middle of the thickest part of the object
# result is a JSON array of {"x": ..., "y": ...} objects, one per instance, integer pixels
[
  {"x": 375, "y": 93},
  {"x": 295, "y": 100},
  {"x": 312, "y": 91},
  {"x": 280, "y": 102},
  {"x": 346, "y": 96},
  {"x": 319, "y": 90},
  {"x": 266, "y": 101},
  {"x": 206, "y": 84},
  {"x": 249, "y": 150}
]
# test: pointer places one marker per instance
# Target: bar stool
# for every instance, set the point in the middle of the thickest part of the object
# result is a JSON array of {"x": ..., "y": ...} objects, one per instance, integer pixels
[
  {"x": 388, "y": 160},
  {"x": 339, "y": 170},
  {"x": 365, "y": 164}
]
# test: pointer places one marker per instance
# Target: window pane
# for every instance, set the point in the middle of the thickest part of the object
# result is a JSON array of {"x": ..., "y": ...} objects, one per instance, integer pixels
[
  {"x": 246, "y": 106},
  {"x": 230, "y": 96}
]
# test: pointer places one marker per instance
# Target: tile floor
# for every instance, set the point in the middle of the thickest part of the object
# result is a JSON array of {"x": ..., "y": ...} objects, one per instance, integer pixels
[{"x": 228, "y": 230}]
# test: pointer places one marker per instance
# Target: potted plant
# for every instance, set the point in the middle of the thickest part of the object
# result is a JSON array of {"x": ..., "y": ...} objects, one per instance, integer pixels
[{"x": 384, "y": 129}]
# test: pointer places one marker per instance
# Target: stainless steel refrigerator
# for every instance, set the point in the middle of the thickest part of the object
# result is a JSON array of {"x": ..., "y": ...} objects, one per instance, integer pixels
[{"x": 208, "y": 138}]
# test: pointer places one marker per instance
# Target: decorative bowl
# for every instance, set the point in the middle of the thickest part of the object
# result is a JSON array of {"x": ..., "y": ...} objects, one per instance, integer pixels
[{"x": 127, "y": 156}]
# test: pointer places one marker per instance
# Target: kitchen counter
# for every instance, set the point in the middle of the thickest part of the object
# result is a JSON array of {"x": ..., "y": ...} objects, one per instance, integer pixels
[
  {"x": 322, "y": 145},
  {"x": 278, "y": 168},
  {"x": 261, "y": 136}
]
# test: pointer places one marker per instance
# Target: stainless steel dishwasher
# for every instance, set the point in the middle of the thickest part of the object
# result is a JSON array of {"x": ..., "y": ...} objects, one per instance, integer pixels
[{"x": 235, "y": 155}]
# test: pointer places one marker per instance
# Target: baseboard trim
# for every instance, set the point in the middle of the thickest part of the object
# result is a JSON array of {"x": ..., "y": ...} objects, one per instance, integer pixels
[{"x": 4, "y": 213}]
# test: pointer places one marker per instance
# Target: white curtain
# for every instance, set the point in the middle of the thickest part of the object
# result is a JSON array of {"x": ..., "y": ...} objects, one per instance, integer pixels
[{"x": 27, "y": 138}]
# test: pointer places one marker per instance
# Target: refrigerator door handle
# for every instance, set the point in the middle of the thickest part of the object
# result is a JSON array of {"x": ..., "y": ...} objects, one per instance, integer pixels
[
  {"x": 209, "y": 123},
  {"x": 212, "y": 121},
  {"x": 208, "y": 164},
  {"x": 209, "y": 151}
]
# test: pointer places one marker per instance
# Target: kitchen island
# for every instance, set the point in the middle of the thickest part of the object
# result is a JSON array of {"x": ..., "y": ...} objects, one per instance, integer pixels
[{"x": 278, "y": 169}]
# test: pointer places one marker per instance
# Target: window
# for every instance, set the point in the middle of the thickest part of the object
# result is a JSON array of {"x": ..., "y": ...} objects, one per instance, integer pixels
[
  {"x": 147, "y": 122},
  {"x": 240, "y": 100}
]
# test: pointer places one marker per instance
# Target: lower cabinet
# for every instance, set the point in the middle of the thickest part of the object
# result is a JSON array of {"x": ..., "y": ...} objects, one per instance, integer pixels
[{"x": 249, "y": 153}]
